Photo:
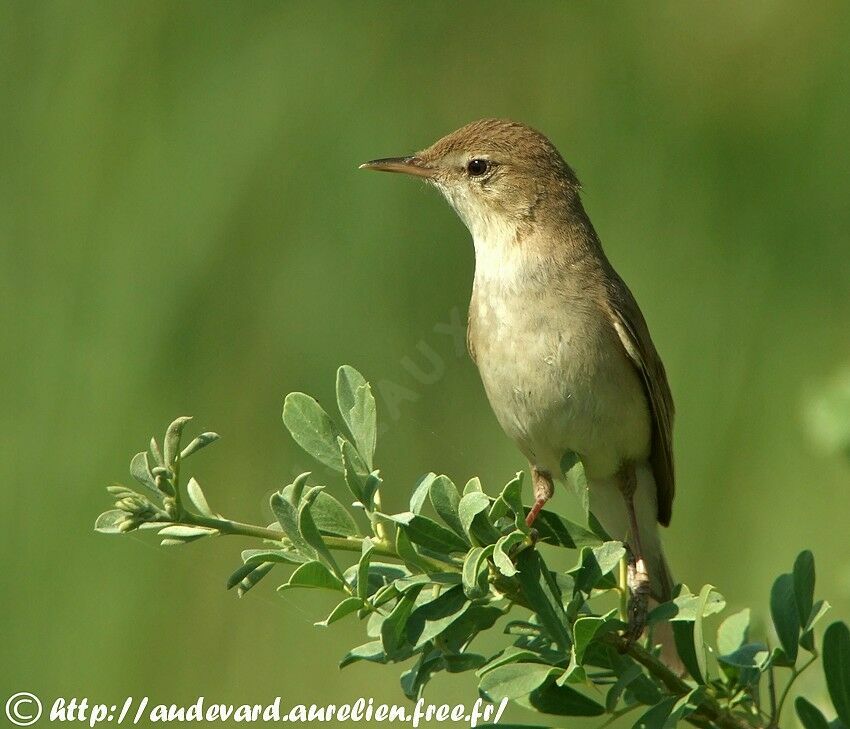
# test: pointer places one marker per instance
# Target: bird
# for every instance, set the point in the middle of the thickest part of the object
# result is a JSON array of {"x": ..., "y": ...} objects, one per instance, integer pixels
[{"x": 562, "y": 348}]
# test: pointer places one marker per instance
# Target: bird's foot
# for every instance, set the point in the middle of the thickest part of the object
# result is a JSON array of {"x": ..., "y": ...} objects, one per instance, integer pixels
[
  {"x": 638, "y": 584},
  {"x": 534, "y": 512}
]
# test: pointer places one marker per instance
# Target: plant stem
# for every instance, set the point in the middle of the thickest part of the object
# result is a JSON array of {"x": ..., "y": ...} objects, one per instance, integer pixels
[
  {"x": 708, "y": 713},
  {"x": 795, "y": 674},
  {"x": 623, "y": 585},
  {"x": 383, "y": 547},
  {"x": 771, "y": 692}
]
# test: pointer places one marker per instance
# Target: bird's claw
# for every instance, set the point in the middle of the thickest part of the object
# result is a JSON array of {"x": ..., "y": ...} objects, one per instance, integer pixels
[{"x": 638, "y": 584}]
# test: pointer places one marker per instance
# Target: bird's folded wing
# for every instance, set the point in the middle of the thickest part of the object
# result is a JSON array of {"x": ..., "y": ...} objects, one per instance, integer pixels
[{"x": 631, "y": 327}]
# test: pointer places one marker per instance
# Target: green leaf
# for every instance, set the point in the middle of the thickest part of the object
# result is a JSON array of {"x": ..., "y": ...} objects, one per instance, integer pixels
[
  {"x": 684, "y": 606},
  {"x": 140, "y": 470},
  {"x": 595, "y": 563},
  {"x": 363, "y": 569},
  {"x": 575, "y": 673},
  {"x": 513, "y": 681},
  {"x": 523, "y": 627},
  {"x": 656, "y": 717},
  {"x": 177, "y": 541},
  {"x": 253, "y": 577},
  {"x": 310, "y": 532},
  {"x": 379, "y": 581},
  {"x": 287, "y": 516},
  {"x": 414, "y": 680},
  {"x": 819, "y": 609},
  {"x": 315, "y": 575},
  {"x": 384, "y": 573},
  {"x": 733, "y": 632},
  {"x": 543, "y": 596},
  {"x": 776, "y": 657},
  {"x": 552, "y": 529},
  {"x": 473, "y": 485},
  {"x": 501, "y": 553},
  {"x": 836, "y": 668},
  {"x": 430, "y": 619},
  {"x": 561, "y": 701},
  {"x": 473, "y": 519},
  {"x": 786, "y": 619},
  {"x": 630, "y": 676},
  {"x": 202, "y": 441},
  {"x": 471, "y": 504},
  {"x": 683, "y": 635},
  {"x": 476, "y": 619},
  {"x": 804, "y": 584},
  {"x": 197, "y": 498},
  {"x": 371, "y": 651},
  {"x": 511, "y": 500},
  {"x": 508, "y": 656},
  {"x": 156, "y": 453},
  {"x": 699, "y": 640},
  {"x": 574, "y": 476},
  {"x": 428, "y": 533},
  {"x": 810, "y": 715},
  {"x": 458, "y": 663},
  {"x": 406, "y": 550},
  {"x": 383, "y": 595},
  {"x": 331, "y": 517},
  {"x": 420, "y": 492},
  {"x": 586, "y": 629},
  {"x": 612, "y": 698},
  {"x": 258, "y": 556},
  {"x": 749, "y": 655},
  {"x": 357, "y": 407},
  {"x": 360, "y": 482},
  {"x": 394, "y": 627},
  {"x": 108, "y": 521},
  {"x": 295, "y": 490},
  {"x": 686, "y": 706},
  {"x": 475, "y": 572},
  {"x": 445, "y": 499},
  {"x": 346, "y": 607},
  {"x": 312, "y": 429},
  {"x": 241, "y": 572},
  {"x": 171, "y": 443}
]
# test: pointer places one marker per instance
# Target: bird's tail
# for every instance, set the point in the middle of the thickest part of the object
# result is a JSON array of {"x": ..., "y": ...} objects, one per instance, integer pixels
[{"x": 609, "y": 507}]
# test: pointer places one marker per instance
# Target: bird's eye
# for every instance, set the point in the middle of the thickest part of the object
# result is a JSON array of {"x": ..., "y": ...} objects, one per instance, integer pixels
[{"x": 477, "y": 167}]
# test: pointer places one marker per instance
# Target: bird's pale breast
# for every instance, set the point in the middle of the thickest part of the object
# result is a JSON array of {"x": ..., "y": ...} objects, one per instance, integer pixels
[{"x": 556, "y": 375}]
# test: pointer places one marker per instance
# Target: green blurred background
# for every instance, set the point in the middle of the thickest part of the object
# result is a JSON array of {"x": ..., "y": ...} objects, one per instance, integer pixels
[{"x": 184, "y": 231}]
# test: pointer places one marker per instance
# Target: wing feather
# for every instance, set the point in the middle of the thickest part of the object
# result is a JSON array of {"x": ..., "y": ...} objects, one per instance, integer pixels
[{"x": 633, "y": 331}]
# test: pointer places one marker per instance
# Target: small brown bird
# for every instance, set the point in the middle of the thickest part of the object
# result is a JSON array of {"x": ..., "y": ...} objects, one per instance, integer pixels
[{"x": 561, "y": 345}]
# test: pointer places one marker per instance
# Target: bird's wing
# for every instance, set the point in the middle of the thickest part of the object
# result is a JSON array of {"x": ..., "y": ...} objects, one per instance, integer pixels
[
  {"x": 634, "y": 334},
  {"x": 470, "y": 340}
]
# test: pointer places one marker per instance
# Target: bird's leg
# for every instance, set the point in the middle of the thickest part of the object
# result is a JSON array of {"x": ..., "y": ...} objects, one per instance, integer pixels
[
  {"x": 638, "y": 577},
  {"x": 543, "y": 491}
]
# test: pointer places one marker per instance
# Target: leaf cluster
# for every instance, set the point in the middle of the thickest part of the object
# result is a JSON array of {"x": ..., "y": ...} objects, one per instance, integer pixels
[{"x": 459, "y": 562}]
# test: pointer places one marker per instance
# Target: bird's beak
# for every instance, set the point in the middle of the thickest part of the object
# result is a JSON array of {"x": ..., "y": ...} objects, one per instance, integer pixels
[{"x": 408, "y": 165}]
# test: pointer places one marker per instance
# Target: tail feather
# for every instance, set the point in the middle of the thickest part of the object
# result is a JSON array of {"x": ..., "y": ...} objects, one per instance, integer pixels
[{"x": 609, "y": 507}]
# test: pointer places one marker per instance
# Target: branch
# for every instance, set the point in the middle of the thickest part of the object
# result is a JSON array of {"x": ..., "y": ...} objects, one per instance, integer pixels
[{"x": 384, "y": 547}]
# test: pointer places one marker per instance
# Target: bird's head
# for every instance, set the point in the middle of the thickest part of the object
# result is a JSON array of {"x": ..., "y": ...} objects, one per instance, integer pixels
[{"x": 498, "y": 175}]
